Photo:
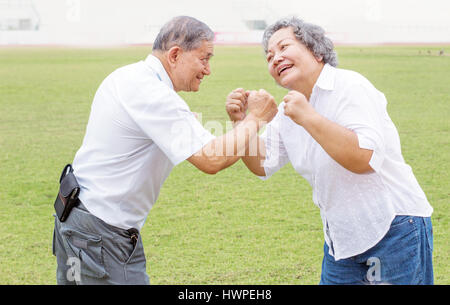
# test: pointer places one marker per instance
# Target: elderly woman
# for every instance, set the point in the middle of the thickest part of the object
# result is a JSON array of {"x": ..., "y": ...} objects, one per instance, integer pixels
[{"x": 334, "y": 129}]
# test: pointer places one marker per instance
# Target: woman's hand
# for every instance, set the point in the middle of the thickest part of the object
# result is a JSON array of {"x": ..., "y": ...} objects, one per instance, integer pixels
[{"x": 298, "y": 108}]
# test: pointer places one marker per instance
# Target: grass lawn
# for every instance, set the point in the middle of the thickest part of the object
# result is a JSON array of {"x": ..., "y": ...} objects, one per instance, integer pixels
[{"x": 230, "y": 228}]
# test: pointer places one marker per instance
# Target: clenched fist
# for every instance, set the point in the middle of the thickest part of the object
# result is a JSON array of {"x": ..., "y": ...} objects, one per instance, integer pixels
[
  {"x": 236, "y": 104},
  {"x": 262, "y": 105},
  {"x": 297, "y": 107}
]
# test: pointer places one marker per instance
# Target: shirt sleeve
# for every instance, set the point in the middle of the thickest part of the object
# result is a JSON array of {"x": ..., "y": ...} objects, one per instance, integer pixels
[
  {"x": 276, "y": 154},
  {"x": 167, "y": 120},
  {"x": 362, "y": 110}
]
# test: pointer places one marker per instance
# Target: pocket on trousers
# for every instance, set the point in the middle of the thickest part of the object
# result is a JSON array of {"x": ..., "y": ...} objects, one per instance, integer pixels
[
  {"x": 87, "y": 248},
  {"x": 400, "y": 242},
  {"x": 400, "y": 220},
  {"x": 135, "y": 265},
  {"x": 136, "y": 248}
]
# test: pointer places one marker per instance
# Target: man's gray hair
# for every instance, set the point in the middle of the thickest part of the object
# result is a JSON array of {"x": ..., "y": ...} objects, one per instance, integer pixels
[
  {"x": 310, "y": 35},
  {"x": 183, "y": 31}
]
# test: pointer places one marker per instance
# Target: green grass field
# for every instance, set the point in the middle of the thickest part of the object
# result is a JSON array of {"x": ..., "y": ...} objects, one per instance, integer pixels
[{"x": 230, "y": 228}]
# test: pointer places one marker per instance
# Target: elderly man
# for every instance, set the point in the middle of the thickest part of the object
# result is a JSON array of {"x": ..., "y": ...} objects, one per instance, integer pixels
[
  {"x": 138, "y": 130},
  {"x": 333, "y": 127}
]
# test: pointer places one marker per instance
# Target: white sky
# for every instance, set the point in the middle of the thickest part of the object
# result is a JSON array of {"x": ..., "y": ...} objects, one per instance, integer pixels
[{"x": 138, "y": 21}]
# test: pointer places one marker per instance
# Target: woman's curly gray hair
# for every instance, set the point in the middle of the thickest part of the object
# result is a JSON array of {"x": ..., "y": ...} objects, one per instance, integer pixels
[{"x": 311, "y": 35}]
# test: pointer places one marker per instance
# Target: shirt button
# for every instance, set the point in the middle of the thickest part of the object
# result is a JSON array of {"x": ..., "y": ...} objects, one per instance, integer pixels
[{"x": 411, "y": 221}]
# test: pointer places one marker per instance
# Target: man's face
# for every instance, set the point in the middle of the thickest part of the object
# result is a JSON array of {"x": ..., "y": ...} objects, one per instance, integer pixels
[
  {"x": 289, "y": 61},
  {"x": 193, "y": 66}
]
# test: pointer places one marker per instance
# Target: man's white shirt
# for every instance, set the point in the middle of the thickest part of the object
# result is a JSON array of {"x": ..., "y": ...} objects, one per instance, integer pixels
[
  {"x": 356, "y": 210},
  {"x": 139, "y": 128}
]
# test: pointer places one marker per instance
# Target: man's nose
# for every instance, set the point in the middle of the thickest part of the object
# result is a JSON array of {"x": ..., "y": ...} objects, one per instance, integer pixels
[{"x": 207, "y": 70}]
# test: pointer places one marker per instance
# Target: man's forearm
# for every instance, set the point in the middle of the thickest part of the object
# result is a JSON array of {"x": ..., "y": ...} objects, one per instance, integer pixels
[
  {"x": 226, "y": 150},
  {"x": 255, "y": 155}
]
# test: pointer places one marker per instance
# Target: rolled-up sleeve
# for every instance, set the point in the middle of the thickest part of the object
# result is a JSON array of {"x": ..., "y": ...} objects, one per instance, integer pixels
[{"x": 363, "y": 110}]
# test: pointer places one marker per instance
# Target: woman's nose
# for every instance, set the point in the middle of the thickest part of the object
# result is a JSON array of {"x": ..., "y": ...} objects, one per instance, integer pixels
[{"x": 277, "y": 59}]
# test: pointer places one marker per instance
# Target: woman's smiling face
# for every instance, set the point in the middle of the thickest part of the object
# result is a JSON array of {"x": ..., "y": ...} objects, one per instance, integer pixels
[{"x": 289, "y": 61}]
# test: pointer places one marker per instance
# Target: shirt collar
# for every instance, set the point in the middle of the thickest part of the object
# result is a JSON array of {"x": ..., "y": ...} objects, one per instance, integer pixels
[
  {"x": 325, "y": 80},
  {"x": 155, "y": 64}
]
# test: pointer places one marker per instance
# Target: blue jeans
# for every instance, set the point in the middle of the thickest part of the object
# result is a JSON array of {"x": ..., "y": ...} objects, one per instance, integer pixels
[{"x": 402, "y": 257}]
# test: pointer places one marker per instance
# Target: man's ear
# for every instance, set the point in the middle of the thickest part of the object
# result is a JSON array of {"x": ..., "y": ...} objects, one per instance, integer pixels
[
  {"x": 319, "y": 58},
  {"x": 173, "y": 55}
]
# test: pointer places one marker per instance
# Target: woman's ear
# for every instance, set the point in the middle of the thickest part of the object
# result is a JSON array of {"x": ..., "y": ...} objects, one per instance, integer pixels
[{"x": 319, "y": 58}]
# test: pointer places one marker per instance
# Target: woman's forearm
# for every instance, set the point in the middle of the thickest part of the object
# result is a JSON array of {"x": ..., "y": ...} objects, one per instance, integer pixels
[{"x": 340, "y": 143}]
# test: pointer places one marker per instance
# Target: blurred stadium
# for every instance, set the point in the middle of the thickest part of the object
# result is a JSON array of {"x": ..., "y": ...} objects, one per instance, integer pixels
[{"x": 115, "y": 22}]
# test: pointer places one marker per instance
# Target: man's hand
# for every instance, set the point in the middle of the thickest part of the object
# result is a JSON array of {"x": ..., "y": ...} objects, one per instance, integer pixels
[
  {"x": 262, "y": 105},
  {"x": 297, "y": 107},
  {"x": 236, "y": 104},
  {"x": 226, "y": 150}
]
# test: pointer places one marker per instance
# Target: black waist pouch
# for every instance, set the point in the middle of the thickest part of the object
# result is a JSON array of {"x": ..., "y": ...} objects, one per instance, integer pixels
[{"x": 68, "y": 193}]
